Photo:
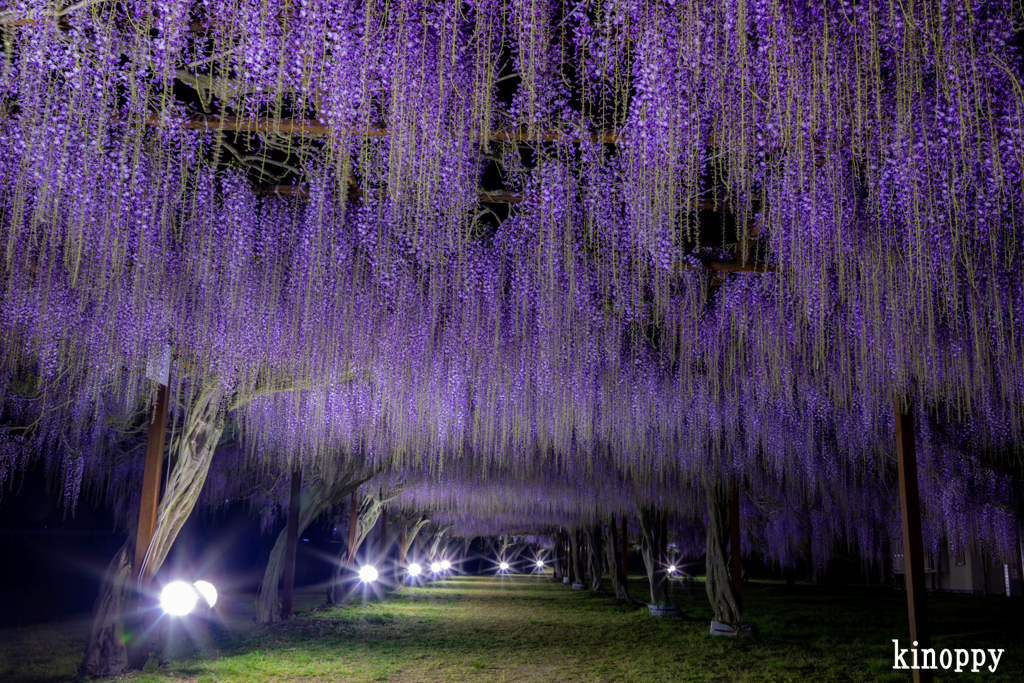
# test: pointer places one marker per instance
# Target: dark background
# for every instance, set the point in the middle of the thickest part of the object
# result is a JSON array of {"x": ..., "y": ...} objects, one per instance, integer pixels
[{"x": 51, "y": 563}]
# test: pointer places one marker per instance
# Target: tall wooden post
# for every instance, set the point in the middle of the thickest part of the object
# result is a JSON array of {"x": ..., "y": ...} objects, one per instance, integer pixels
[
  {"x": 383, "y": 532},
  {"x": 401, "y": 551},
  {"x": 151, "y": 483},
  {"x": 734, "y": 540},
  {"x": 292, "y": 542},
  {"x": 352, "y": 519},
  {"x": 910, "y": 515},
  {"x": 625, "y": 546}
]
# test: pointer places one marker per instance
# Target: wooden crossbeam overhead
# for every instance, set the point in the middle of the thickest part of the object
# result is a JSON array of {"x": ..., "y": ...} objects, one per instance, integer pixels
[
  {"x": 486, "y": 197},
  {"x": 288, "y": 126}
]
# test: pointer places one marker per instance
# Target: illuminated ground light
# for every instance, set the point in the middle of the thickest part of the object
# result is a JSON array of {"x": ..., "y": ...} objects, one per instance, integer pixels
[
  {"x": 540, "y": 564},
  {"x": 178, "y": 598},
  {"x": 207, "y": 591},
  {"x": 445, "y": 565},
  {"x": 368, "y": 573},
  {"x": 503, "y": 566},
  {"x": 414, "y": 569},
  {"x": 435, "y": 567},
  {"x": 672, "y": 569}
]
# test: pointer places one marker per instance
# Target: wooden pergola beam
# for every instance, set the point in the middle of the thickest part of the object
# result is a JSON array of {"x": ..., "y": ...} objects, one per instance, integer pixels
[{"x": 289, "y": 126}]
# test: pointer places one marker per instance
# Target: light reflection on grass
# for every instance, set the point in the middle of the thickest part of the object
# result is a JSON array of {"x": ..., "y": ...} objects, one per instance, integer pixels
[{"x": 522, "y": 629}]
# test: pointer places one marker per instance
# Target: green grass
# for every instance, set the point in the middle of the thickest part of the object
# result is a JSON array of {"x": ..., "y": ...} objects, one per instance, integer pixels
[{"x": 528, "y": 629}]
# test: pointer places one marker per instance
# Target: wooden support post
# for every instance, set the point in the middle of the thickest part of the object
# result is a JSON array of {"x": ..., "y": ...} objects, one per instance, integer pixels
[
  {"x": 352, "y": 520},
  {"x": 383, "y": 532},
  {"x": 401, "y": 551},
  {"x": 290, "y": 545},
  {"x": 151, "y": 484},
  {"x": 734, "y": 540},
  {"x": 910, "y": 514},
  {"x": 625, "y": 546}
]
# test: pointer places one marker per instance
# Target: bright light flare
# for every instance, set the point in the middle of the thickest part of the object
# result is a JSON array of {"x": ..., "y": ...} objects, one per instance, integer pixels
[
  {"x": 503, "y": 566},
  {"x": 540, "y": 564},
  {"x": 672, "y": 569},
  {"x": 446, "y": 565},
  {"x": 435, "y": 567},
  {"x": 207, "y": 591},
  {"x": 414, "y": 569},
  {"x": 368, "y": 573},
  {"x": 178, "y": 598}
]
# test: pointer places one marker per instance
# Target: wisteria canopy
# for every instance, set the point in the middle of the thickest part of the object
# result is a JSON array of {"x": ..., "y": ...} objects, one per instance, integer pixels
[{"x": 540, "y": 260}]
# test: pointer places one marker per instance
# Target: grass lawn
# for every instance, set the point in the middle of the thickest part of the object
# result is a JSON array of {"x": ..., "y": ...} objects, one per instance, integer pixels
[{"x": 526, "y": 629}]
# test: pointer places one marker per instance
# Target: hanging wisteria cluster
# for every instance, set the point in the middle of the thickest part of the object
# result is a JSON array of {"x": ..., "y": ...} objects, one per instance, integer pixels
[{"x": 545, "y": 260}]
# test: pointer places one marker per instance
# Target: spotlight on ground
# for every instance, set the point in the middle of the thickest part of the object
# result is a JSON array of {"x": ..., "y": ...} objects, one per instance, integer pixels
[
  {"x": 503, "y": 566},
  {"x": 207, "y": 591},
  {"x": 414, "y": 569},
  {"x": 446, "y": 565},
  {"x": 672, "y": 569},
  {"x": 178, "y": 598},
  {"x": 435, "y": 567},
  {"x": 368, "y": 573},
  {"x": 540, "y": 564}
]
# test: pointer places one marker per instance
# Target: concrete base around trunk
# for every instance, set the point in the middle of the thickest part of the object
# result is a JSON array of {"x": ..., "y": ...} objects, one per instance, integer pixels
[
  {"x": 720, "y": 629},
  {"x": 663, "y": 610}
]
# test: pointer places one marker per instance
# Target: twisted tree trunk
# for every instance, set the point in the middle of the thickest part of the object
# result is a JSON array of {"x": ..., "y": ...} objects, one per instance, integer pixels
[
  {"x": 105, "y": 652},
  {"x": 317, "y": 498},
  {"x": 593, "y": 536},
  {"x": 194, "y": 448},
  {"x": 576, "y": 556},
  {"x": 615, "y": 568},
  {"x": 412, "y": 532},
  {"x": 366, "y": 516},
  {"x": 564, "y": 554},
  {"x": 435, "y": 542},
  {"x": 556, "y": 556},
  {"x": 652, "y": 542},
  {"x": 721, "y": 592}
]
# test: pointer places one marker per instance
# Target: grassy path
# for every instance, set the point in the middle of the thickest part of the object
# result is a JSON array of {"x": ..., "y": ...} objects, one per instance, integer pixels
[{"x": 526, "y": 629}]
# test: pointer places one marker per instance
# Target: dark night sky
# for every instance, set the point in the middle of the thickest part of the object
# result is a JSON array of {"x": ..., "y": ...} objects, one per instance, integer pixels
[{"x": 55, "y": 574}]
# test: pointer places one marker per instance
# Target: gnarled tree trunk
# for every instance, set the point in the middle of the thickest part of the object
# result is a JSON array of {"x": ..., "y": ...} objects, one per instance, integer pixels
[
  {"x": 556, "y": 556},
  {"x": 194, "y": 449},
  {"x": 652, "y": 543},
  {"x": 434, "y": 543},
  {"x": 593, "y": 536},
  {"x": 412, "y": 532},
  {"x": 105, "y": 652},
  {"x": 576, "y": 555},
  {"x": 724, "y": 600},
  {"x": 366, "y": 517},
  {"x": 615, "y": 568},
  {"x": 317, "y": 498}
]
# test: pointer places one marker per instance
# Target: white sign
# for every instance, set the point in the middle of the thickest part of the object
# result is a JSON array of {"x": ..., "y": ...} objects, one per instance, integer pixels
[{"x": 158, "y": 368}]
